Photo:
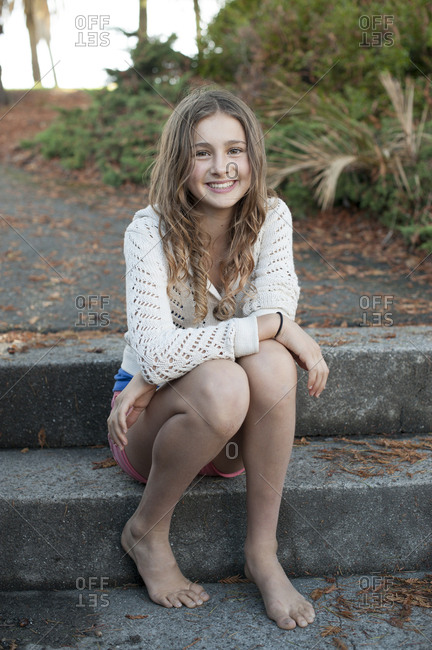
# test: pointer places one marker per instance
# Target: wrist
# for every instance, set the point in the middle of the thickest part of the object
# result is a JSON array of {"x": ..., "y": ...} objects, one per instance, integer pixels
[
  {"x": 279, "y": 313},
  {"x": 268, "y": 326},
  {"x": 138, "y": 386}
]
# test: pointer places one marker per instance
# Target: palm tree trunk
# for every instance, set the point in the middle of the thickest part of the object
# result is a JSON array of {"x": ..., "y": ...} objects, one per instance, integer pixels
[
  {"x": 4, "y": 99},
  {"x": 142, "y": 28},
  {"x": 198, "y": 29},
  {"x": 31, "y": 26}
]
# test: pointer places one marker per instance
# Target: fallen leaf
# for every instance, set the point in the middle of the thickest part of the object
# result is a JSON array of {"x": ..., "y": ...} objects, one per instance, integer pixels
[
  {"x": 233, "y": 580},
  {"x": 317, "y": 593},
  {"x": 339, "y": 644},
  {"x": 330, "y": 629},
  {"x": 42, "y": 438},
  {"x": 191, "y": 644},
  {"x": 346, "y": 614},
  {"x": 102, "y": 464},
  {"x": 133, "y": 618},
  {"x": 37, "y": 278}
]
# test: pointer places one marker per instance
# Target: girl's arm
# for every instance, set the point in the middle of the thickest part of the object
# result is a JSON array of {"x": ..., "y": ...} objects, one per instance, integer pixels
[
  {"x": 307, "y": 353},
  {"x": 137, "y": 395},
  {"x": 127, "y": 407},
  {"x": 277, "y": 289}
]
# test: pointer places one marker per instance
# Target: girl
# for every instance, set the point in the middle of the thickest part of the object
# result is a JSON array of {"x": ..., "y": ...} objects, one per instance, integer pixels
[{"x": 211, "y": 297}]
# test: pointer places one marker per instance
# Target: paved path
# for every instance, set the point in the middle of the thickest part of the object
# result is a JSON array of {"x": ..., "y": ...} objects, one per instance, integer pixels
[
  {"x": 60, "y": 244},
  {"x": 234, "y": 619}
]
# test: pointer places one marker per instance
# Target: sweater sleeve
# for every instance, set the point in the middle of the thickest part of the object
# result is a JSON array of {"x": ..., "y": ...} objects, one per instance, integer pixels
[
  {"x": 274, "y": 276},
  {"x": 164, "y": 351}
]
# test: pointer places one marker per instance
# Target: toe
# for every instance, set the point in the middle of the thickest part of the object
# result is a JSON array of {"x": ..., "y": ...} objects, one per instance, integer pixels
[
  {"x": 196, "y": 597},
  {"x": 310, "y": 617},
  {"x": 199, "y": 592},
  {"x": 305, "y": 615},
  {"x": 187, "y": 598},
  {"x": 308, "y": 613},
  {"x": 161, "y": 600},
  {"x": 174, "y": 600},
  {"x": 286, "y": 623}
]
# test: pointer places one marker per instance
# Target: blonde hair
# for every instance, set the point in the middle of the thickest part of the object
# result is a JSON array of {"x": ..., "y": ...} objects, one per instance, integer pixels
[{"x": 184, "y": 242}]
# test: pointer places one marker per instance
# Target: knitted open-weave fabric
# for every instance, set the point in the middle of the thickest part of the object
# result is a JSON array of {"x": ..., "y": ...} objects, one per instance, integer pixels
[{"x": 162, "y": 340}]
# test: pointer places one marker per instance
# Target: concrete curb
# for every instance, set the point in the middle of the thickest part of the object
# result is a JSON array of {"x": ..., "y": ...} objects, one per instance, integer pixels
[
  {"x": 62, "y": 520},
  {"x": 380, "y": 382}
]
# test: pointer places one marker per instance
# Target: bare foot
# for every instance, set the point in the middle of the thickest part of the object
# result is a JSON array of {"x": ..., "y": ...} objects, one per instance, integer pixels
[
  {"x": 158, "y": 568},
  {"x": 282, "y": 601}
]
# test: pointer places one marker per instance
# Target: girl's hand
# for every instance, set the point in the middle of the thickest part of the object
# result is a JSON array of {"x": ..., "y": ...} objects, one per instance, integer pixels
[
  {"x": 307, "y": 353},
  {"x": 127, "y": 407}
]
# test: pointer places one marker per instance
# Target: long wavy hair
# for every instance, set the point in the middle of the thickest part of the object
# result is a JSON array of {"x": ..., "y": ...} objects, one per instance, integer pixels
[{"x": 184, "y": 242}]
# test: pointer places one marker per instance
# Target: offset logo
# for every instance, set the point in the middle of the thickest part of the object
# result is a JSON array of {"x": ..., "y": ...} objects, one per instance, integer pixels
[
  {"x": 91, "y": 31},
  {"x": 91, "y": 311},
  {"x": 376, "y": 31},
  {"x": 92, "y": 598},
  {"x": 376, "y": 311}
]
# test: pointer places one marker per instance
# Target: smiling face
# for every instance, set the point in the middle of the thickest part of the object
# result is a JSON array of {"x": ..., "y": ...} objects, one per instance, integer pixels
[{"x": 221, "y": 174}]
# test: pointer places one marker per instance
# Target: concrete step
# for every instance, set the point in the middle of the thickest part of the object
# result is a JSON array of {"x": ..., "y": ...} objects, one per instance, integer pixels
[
  {"x": 233, "y": 619},
  {"x": 380, "y": 382},
  {"x": 61, "y": 519}
]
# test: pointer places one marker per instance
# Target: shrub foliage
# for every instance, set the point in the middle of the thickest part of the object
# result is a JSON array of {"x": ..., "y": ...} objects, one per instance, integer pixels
[{"x": 340, "y": 88}]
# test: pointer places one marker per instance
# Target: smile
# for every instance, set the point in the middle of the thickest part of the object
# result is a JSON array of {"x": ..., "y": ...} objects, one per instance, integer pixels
[{"x": 227, "y": 185}]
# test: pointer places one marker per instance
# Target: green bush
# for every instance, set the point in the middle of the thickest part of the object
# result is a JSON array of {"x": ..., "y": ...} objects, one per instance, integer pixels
[
  {"x": 382, "y": 165},
  {"x": 295, "y": 188},
  {"x": 119, "y": 131},
  {"x": 273, "y": 53},
  {"x": 299, "y": 41},
  {"x": 407, "y": 209},
  {"x": 420, "y": 236}
]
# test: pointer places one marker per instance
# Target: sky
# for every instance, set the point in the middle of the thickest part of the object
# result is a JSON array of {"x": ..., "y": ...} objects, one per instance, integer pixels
[{"x": 85, "y": 39}]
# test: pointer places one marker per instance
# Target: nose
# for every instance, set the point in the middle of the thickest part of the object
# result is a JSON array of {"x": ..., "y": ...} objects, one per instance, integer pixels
[
  {"x": 219, "y": 165},
  {"x": 225, "y": 167}
]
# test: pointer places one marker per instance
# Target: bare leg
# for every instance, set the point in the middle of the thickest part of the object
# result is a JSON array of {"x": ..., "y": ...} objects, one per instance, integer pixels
[
  {"x": 267, "y": 438},
  {"x": 183, "y": 428}
]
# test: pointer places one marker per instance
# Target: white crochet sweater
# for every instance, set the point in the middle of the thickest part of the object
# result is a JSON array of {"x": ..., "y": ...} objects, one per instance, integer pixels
[{"x": 162, "y": 340}]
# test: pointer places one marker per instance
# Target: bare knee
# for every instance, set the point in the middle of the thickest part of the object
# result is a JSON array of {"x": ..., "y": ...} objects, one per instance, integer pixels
[
  {"x": 222, "y": 392},
  {"x": 272, "y": 374}
]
